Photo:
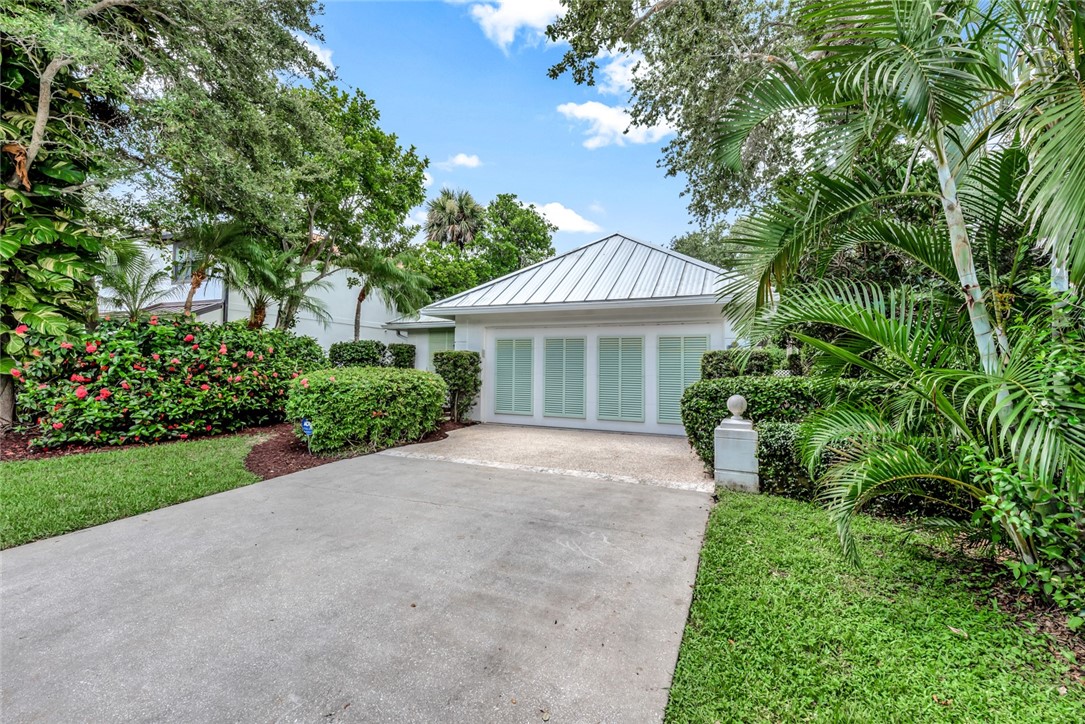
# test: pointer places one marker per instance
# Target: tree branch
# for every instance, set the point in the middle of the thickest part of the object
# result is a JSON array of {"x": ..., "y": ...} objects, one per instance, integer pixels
[
  {"x": 100, "y": 6},
  {"x": 45, "y": 99}
]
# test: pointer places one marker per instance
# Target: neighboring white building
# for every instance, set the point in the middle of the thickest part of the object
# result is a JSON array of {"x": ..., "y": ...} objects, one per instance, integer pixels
[{"x": 604, "y": 337}]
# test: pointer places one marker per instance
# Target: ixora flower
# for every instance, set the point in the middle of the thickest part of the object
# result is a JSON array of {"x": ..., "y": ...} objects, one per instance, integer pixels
[
  {"x": 66, "y": 345},
  {"x": 154, "y": 356},
  {"x": 103, "y": 394},
  {"x": 184, "y": 436},
  {"x": 80, "y": 392},
  {"x": 305, "y": 383},
  {"x": 21, "y": 330},
  {"x": 249, "y": 354},
  {"x": 124, "y": 386},
  {"x": 189, "y": 338},
  {"x": 58, "y": 425},
  {"x": 92, "y": 347},
  {"x": 16, "y": 372},
  {"x": 222, "y": 349},
  {"x": 154, "y": 320},
  {"x": 205, "y": 386}
]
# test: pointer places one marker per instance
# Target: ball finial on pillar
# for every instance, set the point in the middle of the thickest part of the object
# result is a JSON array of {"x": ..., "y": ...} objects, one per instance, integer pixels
[{"x": 737, "y": 405}]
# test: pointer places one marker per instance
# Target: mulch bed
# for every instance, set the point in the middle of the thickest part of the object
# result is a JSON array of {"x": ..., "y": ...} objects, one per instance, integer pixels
[{"x": 283, "y": 453}]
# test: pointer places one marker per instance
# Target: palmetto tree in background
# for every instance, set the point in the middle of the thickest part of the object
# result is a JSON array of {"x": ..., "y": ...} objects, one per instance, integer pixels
[
  {"x": 454, "y": 217},
  {"x": 989, "y": 94},
  {"x": 131, "y": 282},
  {"x": 377, "y": 272},
  {"x": 216, "y": 248}
]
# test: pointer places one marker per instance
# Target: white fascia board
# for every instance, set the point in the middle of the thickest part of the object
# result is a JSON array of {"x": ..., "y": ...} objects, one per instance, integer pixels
[{"x": 452, "y": 312}]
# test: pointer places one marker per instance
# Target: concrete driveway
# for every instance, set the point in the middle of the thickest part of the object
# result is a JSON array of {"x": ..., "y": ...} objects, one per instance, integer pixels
[
  {"x": 376, "y": 589},
  {"x": 618, "y": 456}
]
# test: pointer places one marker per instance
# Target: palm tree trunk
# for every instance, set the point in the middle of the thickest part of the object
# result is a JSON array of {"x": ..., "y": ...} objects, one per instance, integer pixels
[
  {"x": 257, "y": 315},
  {"x": 7, "y": 403},
  {"x": 198, "y": 276},
  {"x": 362, "y": 294},
  {"x": 982, "y": 329}
]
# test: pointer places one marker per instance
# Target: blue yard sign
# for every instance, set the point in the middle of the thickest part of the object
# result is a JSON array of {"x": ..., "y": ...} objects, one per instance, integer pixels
[{"x": 307, "y": 427}]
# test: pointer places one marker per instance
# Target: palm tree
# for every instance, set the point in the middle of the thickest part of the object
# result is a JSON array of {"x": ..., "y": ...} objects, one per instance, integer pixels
[
  {"x": 389, "y": 277},
  {"x": 977, "y": 89},
  {"x": 217, "y": 248},
  {"x": 131, "y": 282},
  {"x": 454, "y": 217}
]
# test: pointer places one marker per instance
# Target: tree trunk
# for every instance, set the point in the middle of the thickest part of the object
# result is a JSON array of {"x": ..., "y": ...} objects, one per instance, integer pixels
[
  {"x": 198, "y": 276},
  {"x": 257, "y": 316},
  {"x": 7, "y": 403},
  {"x": 982, "y": 329},
  {"x": 362, "y": 294}
]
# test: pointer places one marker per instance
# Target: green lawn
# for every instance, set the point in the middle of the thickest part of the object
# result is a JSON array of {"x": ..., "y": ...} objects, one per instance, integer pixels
[
  {"x": 42, "y": 498},
  {"x": 781, "y": 629}
]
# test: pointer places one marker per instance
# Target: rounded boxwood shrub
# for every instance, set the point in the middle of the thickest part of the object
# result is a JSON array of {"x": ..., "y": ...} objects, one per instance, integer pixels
[
  {"x": 360, "y": 353},
  {"x": 368, "y": 407},
  {"x": 401, "y": 355},
  {"x": 741, "y": 362},
  {"x": 462, "y": 372},
  {"x": 157, "y": 379}
]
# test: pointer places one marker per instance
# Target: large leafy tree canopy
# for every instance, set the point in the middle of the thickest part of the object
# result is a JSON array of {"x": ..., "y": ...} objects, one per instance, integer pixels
[
  {"x": 510, "y": 236},
  {"x": 694, "y": 57}
]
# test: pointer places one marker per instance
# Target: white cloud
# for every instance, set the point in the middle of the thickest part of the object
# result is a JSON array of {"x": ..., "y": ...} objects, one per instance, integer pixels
[
  {"x": 324, "y": 55},
  {"x": 566, "y": 219},
  {"x": 502, "y": 20},
  {"x": 596, "y": 208},
  {"x": 617, "y": 72},
  {"x": 460, "y": 159},
  {"x": 418, "y": 216},
  {"x": 427, "y": 179},
  {"x": 611, "y": 125}
]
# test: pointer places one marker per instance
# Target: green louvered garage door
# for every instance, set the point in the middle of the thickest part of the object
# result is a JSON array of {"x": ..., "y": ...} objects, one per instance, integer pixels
[
  {"x": 621, "y": 378},
  {"x": 563, "y": 392},
  {"x": 513, "y": 377},
  {"x": 679, "y": 367}
]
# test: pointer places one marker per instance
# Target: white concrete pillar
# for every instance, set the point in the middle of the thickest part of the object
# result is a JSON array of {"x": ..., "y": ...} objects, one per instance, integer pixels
[{"x": 736, "y": 450}]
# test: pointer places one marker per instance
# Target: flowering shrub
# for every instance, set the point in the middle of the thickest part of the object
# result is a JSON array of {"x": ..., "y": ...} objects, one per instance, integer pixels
[
  {"x": 372, "y": 407},
  {"x": 158, "y": 379}
]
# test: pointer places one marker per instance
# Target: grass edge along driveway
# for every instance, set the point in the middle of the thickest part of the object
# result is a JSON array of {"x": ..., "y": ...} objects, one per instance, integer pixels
[
  {"x": 48, "y": 497},
  {"x": 782, "y": 629}
]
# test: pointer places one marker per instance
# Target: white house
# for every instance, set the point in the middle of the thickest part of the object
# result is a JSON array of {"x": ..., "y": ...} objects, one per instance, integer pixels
[{"x": 604, "y": 337}]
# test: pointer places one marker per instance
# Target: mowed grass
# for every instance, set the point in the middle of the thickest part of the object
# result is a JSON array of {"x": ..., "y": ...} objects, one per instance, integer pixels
[
  {"x": 43, "y": 498},
  {"x": 782, "y": 629}
]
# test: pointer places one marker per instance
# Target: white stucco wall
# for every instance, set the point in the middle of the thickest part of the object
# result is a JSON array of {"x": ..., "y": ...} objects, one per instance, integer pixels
[{"x": 480, "y": 332}]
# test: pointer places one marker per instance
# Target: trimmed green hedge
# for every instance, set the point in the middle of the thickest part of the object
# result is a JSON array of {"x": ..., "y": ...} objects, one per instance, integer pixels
[
  {"x": 768, "y": 399},
  {"x": 779, "y": 461},
  {"x": 360, "y": 353},
  {"x": 462, "y": 372},
  {"x": 401, "y": 355},
  {"x": 741, "y": 362},
  {"x": 370, "y": 407}
]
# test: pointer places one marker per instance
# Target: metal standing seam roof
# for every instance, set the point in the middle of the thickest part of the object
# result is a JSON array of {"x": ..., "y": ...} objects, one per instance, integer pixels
[
  {"x": 418, "y": 321},
  {"x": 615, "y": 268}
]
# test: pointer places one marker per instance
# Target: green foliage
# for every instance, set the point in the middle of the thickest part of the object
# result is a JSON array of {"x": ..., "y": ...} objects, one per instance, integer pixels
[
  {"x": 708, "y": 245},
  {"x": 462, "y": 372},
  {"x": 401, "y": 355},
  {"x": 362, "y": 353},
  {"x": 43, "y": 498},
  {"x": 690, "y": 59},
  {"x": 157, "y": 379},
  {"x": 901, "y": 639},
  {"x": 739, "y": 362},
  {"x": 509, "y": 236},
  {"x": 367, "y": 407},
  {"x": 779, "y": 461},
  {"x": 768, "y": 399}
]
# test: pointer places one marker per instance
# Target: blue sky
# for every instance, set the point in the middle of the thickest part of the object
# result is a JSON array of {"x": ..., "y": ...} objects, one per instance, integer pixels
[{"x": 465, "y": 82}]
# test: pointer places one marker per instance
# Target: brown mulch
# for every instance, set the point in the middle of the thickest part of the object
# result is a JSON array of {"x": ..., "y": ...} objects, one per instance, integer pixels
[{"x": 283, "y": 453}]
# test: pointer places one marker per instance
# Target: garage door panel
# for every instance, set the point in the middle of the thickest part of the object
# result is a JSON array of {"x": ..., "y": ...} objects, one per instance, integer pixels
[
  {"x": 621, "y": 379},
  {"x": 564, "y": 377}
]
